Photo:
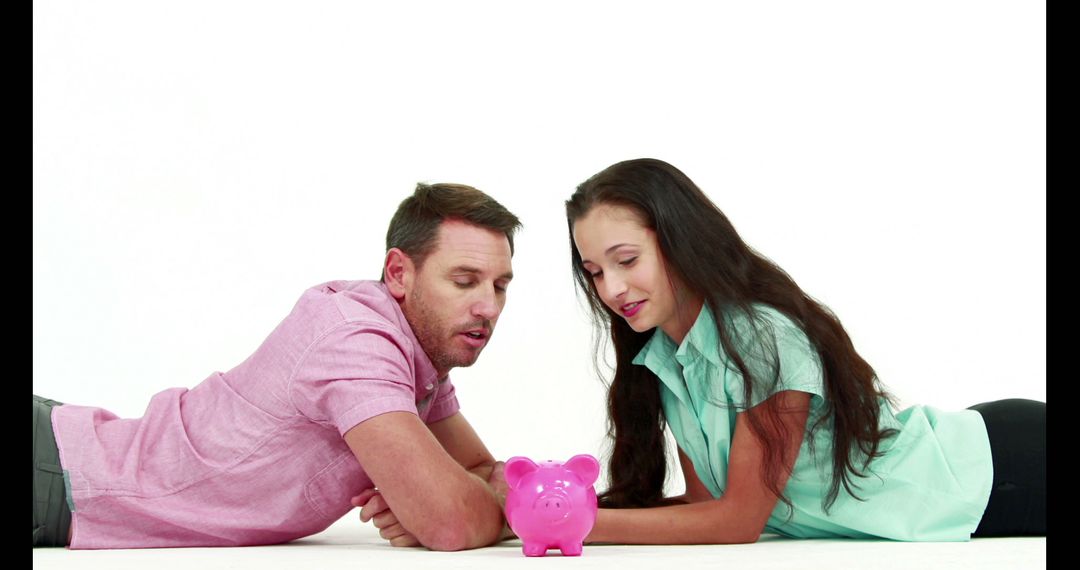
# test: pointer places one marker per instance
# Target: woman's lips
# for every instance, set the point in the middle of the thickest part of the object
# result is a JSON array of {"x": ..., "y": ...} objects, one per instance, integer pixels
[{"x": 631, "y": 309}]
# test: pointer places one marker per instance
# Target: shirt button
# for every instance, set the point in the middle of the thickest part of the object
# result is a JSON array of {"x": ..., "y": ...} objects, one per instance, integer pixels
[{"x": 429, "y": 386}]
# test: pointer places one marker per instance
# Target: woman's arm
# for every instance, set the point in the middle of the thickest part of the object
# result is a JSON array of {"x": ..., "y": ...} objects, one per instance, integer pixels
[
  {"x": 696, "y": 491},
  {"x": 739, "y": 516}
]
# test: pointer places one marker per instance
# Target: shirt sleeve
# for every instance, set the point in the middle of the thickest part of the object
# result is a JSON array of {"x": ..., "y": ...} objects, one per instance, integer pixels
[
  {"x": 446, "y": 403},
  {"x": 353, "y": 373},
  {"x": 780, "y": 358}
]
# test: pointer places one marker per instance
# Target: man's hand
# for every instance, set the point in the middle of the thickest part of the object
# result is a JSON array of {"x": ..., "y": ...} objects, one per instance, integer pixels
[
  {"x": 374, "y": 508},
  {"x": 429, "y": 483},
  {"x": 497, "y": 481}
]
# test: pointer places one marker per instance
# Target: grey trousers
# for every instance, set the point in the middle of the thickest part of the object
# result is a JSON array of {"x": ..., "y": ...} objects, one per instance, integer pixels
[{"x": 52, "y": 517}]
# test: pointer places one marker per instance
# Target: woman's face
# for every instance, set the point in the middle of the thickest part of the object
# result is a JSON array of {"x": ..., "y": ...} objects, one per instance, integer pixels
[{"x": 628, "y": 270}]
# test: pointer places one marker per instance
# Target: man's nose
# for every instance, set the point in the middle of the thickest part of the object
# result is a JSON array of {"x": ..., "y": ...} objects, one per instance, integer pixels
[{"x": 487, "y": 306}]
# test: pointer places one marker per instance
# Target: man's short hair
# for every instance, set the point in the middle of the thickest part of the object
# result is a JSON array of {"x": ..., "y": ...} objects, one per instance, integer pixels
[{"x": 415, "y": 226}]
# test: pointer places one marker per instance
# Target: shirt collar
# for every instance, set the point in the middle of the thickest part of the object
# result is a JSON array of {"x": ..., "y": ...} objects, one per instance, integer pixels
[
  {"x": 661, "y": 352},
  {"x": 425, "y": 369}
]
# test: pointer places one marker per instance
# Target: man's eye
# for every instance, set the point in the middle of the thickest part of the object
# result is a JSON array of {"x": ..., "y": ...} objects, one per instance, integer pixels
[{"x": 463, "y": 284}]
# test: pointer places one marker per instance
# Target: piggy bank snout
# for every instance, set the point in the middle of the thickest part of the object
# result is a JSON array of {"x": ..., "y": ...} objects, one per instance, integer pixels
[{"x": 552, "y": 506}]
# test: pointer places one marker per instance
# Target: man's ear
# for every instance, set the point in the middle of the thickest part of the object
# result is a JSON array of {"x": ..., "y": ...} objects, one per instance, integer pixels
[{"x": 398, "y": 273}]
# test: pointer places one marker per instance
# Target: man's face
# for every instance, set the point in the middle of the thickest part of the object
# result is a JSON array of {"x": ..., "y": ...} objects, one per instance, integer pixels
[{"x": 455, "y": 298}]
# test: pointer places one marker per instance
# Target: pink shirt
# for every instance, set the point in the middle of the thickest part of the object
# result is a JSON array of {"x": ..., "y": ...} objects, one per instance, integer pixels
[{"x": 254, "y": 455}]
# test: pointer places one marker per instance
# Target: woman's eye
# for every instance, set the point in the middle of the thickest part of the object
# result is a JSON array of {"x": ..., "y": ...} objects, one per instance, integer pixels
[{"x": 628, "y": 262}]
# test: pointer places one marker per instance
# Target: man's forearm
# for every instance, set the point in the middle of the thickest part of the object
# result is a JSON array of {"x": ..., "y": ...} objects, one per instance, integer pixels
[
  {"x": 486, "y": 524},
  {"x": 483, "y": 470}
]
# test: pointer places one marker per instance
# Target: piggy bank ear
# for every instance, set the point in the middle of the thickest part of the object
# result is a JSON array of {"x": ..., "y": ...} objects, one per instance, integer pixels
[
  {"x": 516, "y": 468},
  {"x": 584, "y": 466}
]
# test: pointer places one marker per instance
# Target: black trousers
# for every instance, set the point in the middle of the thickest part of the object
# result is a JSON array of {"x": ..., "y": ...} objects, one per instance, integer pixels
[
  {"x": 1017, "y": 431},
  {"x": 52, "y": 518}
]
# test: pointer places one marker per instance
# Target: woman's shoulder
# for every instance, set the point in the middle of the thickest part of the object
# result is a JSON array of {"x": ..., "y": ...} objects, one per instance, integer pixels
[
  {"x": 766, "y": 337},
  {"x": 763, "y": 320}
]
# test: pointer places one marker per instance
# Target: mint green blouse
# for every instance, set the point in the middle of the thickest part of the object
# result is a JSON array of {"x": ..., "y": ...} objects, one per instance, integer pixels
[{"x": 932, "y": 484}]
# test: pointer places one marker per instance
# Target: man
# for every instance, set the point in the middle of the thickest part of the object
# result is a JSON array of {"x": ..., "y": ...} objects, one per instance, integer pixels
[{"x": 350, "y": 391}]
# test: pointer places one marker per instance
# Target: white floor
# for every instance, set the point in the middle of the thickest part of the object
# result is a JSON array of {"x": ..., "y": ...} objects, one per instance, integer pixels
[{"x": 354, "y": 545}]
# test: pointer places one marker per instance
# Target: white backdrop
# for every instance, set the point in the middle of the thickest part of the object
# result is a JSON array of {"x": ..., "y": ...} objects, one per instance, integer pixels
[{"x": 198, "y": 164}]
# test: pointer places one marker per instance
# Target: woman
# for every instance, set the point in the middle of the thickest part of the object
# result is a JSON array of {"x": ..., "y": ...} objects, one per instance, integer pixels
[{"x": 781, "y": 426}]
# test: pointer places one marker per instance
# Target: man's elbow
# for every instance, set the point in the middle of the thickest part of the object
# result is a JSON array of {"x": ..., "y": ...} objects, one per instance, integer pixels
[
  {"x": 460, "y": 531},
  {"x": 452, "y": 537},
  {"x": 448, "y": 538}
]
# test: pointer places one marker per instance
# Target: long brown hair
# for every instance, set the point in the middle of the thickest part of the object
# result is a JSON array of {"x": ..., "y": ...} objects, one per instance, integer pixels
[{"x": 689, "y": 228}]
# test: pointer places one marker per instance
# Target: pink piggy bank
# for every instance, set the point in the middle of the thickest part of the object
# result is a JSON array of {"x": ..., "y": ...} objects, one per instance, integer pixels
[{"x": 551, "y": 504}]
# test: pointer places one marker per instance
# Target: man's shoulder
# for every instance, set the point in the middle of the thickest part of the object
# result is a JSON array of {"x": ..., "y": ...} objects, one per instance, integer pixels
[
  {"x": 360, "y": 302},
  {"x": 363, "y": 291}
]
